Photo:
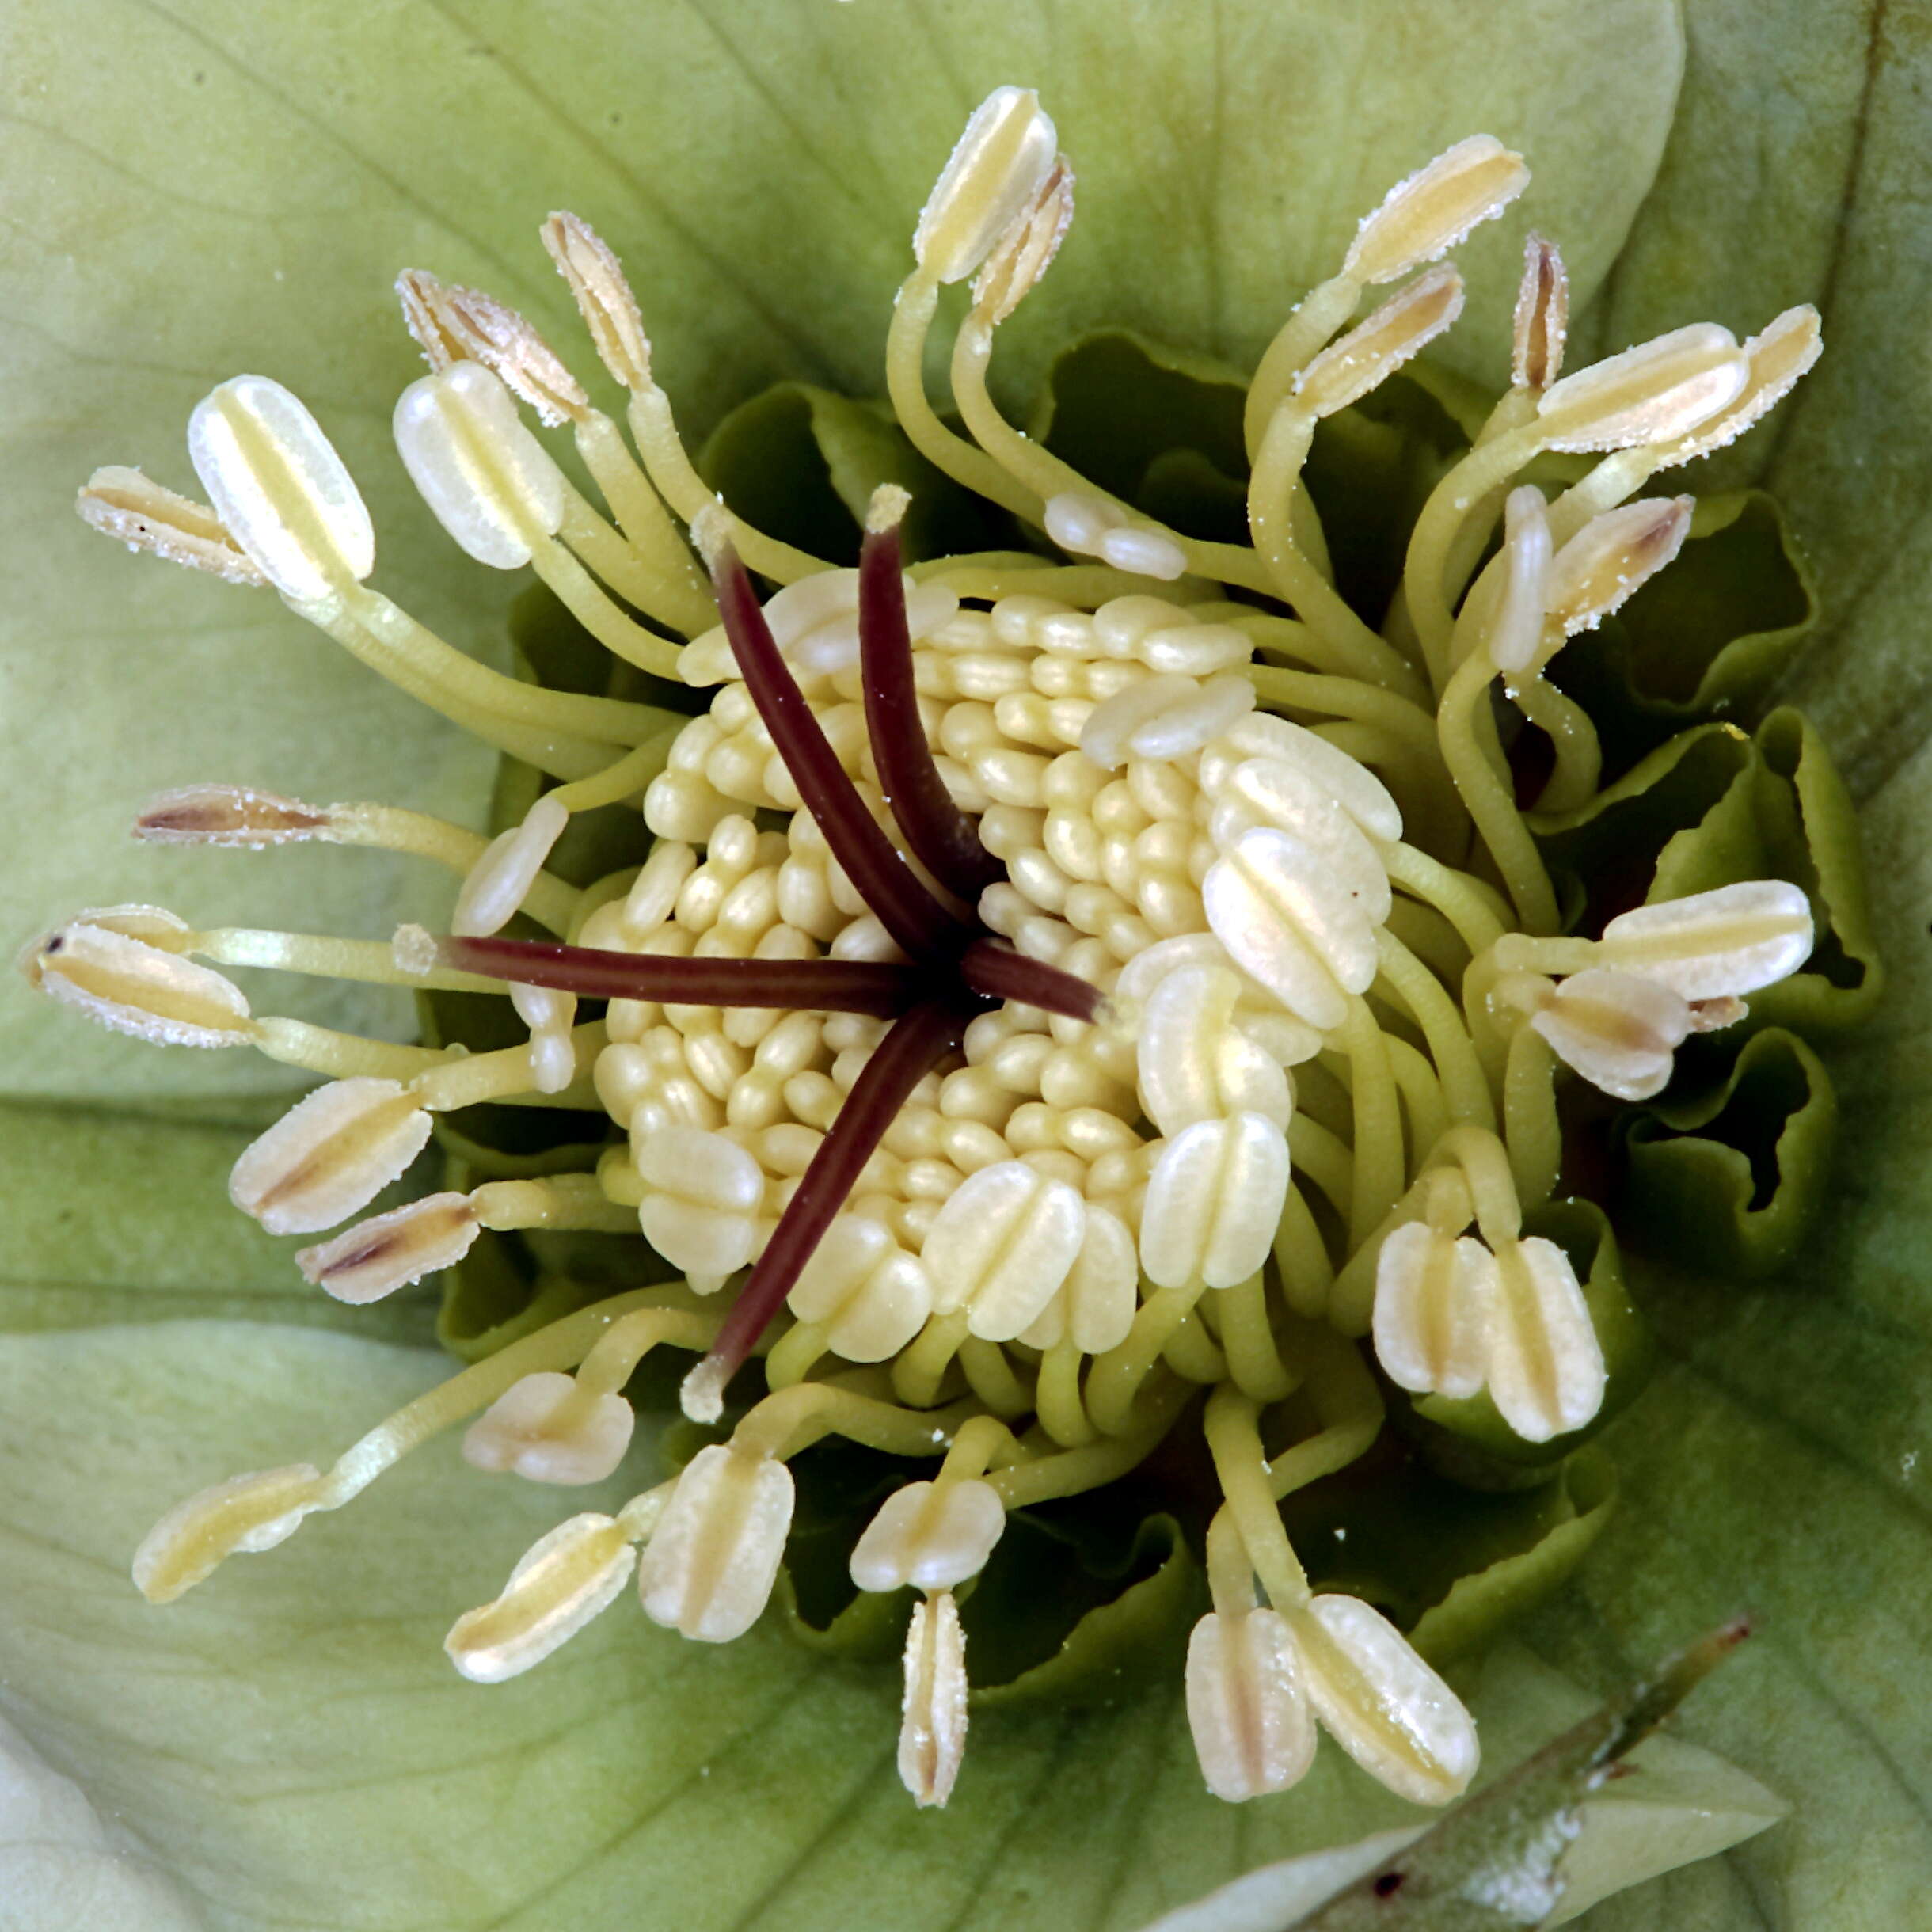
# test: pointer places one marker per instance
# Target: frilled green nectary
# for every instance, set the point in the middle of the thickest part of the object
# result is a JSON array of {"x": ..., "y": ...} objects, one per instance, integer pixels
[{"x": 1162, "y": 1047}]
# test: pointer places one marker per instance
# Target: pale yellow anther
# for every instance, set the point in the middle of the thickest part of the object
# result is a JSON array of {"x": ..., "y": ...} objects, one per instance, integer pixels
[
  {"x": 1621, "y": 1032},
  {"x": 1352, "y": 785},
  {"x": 1247, "y": 1709},
  {"x": 702, "y": 1198},
  {"x": 869, "y": 1294},
  {"x": 1516, "y": 635},
  {"x": 1089, "y": 526},
  {"x": 1541, "y": 324},
  {"x": 1166, "y": 716},
  {"x": 117, "y": 966},
  {"x": 1214, "y": 1202},
  {"x": 1431, "y": 210},
  {"x": 1023, "y": 254},
  {"x": 376, "y": 1257},
  {"x": 544, "y": 1430},
  {"x": 708, "y": 1570},
  {"x": 1287, "y": 1040},
  {"x": 244, "y": 1514},
  {"x": 1777, "y": 355},
  {"x": 280, "y": 490},
  {"x": 1434, "y": 1305},
  {"x": 1271, "y": 791},
  {"x": 1194, "y": 1062},
  {"x": 123, "y": 503},
  {"x": 1611, "y": 558},
  {"x": 1001, "y": 1247},
  {"x": 561, "y": 1583},
  {"x": 930, "y": 1534},
  {"x": 1276, "y": 907},
  {"x": 454, "y": 324},
  {"x": 603, "y": 298},
  {"x": 551, "y": 1016},
  {"x": 932, "y": 1734},
  {"x": 1654, "y": 393},
  {"x": 1372, "y": 351},
  {"x": 1382, "y": 1703},
  {"x": 487, "y": 481},
  {"x": 329, "y": 1155},
  {"x": 1096, "y": 1302},
  {"x": 1717, "y": 945},
  {"x": 1547, "y": 1370},
  {"x": 991, "y": 179},
  {"x": 501, "y": 878},
  {"x": 227, "y": 814}
]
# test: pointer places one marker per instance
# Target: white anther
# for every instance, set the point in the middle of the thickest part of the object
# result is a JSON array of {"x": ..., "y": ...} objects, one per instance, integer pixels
[
  {"x": 1516, "y": 636},
  {"x": 1001, "y": 1247},
  {"x": 1026, "y": 250},
  {"x": 228, "y": 815},
  {"x": 122, "y": 980},
  {"x": 932, "y": 1731},
  {"x": 700, "y": 1212},
  {"x": 1547, "y": 1370},
  {"x": 1382, "y": 1703},
  {"x": 602, "y": 296},
  {"x": 655, "y": 893},
  {"x": 870, "y": 1296},
  {"x": 486, "y": 479},
  {"x": 1101, "y": 1293},
  {"x": 1613, "y": 556},
  {"x": 1370, "y": 352},
  {"x": 931, "y": 1534},
  {"x": 1428, "y": 213},
  {"x": 378, "y": 1257},
  {"x": 329, "y": 1155},
  {"x": 1541, "y": 323},
  {"x": 1214, "y": 1202},
  {"x": 1275, "y": 905},
  {"x": 1272, "y": 791},
  {"x": 1621, "y": 1032},
  {"x": 1246, "y": 1706},
  {"x": 1287, "y": 1040},
  {"x": 280, "y": 490},
  {"x": 1721, "y": 944},
  {"x": 560, "y": 1583},
  {"x": 499, "y": 881},
  {"x": 1778, "y": 355},
  {"x": 541, "y": 1428},
  {"x": 1077, "y": 522},
  {"x": 991, "y": 179},
  {"x": 244, "y": 1514},
  {"x": 1351, "y": 785},
  {"x": 1434, "y": 1306},
  {"x": 1142, "y": 552},
  {"x": 1196, "y": 1064},
  {"x": 1164, "y": 718},
  {"x": 708, "y": 1570},
  {"x": 1654, "y": 393},
  {"x": 133, "y": 510}
]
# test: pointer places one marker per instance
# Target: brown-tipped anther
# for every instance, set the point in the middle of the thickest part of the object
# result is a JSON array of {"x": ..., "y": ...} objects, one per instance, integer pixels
[
  {"x": 1541, "y": 316},
  {"x": 227, "y": 814},
  {"x": 917, "y": 923},
  {"x": 595, "y": 277},
  {"x": 943, "y": 838},
  {"x": 134, "y": 510},
  {"x": 996, "y": 972},
  {"x": 422, "y": 297},
  {"x": 918, "y": 1041},
  {"x": 833, "y": 985}
]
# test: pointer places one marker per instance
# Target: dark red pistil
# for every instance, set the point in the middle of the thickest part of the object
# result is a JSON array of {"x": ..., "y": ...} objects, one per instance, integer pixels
[{"x": 959, "y": 968}]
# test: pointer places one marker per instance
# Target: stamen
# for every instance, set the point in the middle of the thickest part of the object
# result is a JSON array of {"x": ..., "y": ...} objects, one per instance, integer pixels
[
  {"x": 466, "y": 322},
  {"x": 331, "y": 1154},
  {"x": 932, "y": 1735},
  {"x": 380, "y": 1255},
  {"x": 1423, "y": 217},
  {"x": 993, "y": 175},
  {"x": 561, "y": 1582},
  {"x": 128, "y": 507},
  {"x": 1542, "y": 318},
  {"x": 943, "y": 838},
  {"x": 1026, "y": 251},
  {"x": 596, "y": 282},
  {"x": 227, "y": 814}
]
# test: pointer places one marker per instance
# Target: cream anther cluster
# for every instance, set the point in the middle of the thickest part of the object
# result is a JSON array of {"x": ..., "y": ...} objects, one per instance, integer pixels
[{"x": 1213, "y": 868}]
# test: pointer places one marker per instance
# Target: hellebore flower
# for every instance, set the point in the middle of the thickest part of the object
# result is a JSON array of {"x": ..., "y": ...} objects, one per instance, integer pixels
[{"x": 287, "y": 1748}]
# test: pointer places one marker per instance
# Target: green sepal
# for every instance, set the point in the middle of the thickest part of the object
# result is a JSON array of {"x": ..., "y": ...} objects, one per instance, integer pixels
[
  {"x": 1583, "y": 1232},
  {"x": 801, "y": 463},
  {"x": 1733, "y": 1177},
  {"x": 1704, "y": 639}
]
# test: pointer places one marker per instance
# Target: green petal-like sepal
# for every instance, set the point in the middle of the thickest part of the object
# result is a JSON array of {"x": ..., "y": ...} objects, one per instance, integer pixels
[{"x": 1732, "y": 1177}]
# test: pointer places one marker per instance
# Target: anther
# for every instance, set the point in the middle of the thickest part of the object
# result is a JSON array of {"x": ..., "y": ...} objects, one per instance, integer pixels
[
  {"x": 1426, "y": 214},
  {"x": 133, "y": 510},
  {"x": 562, "y": 1581},
  {"x": 596, "y": 282},
  {"x": 1403, "y": 326},
  {"x": 932, "y": 1735},
  {"x": 1659, "y": 390},
  {"x": 227, "y": 814},
  {"x": 993, "y": 175},
  {"x": 1541, "y": 324}
]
